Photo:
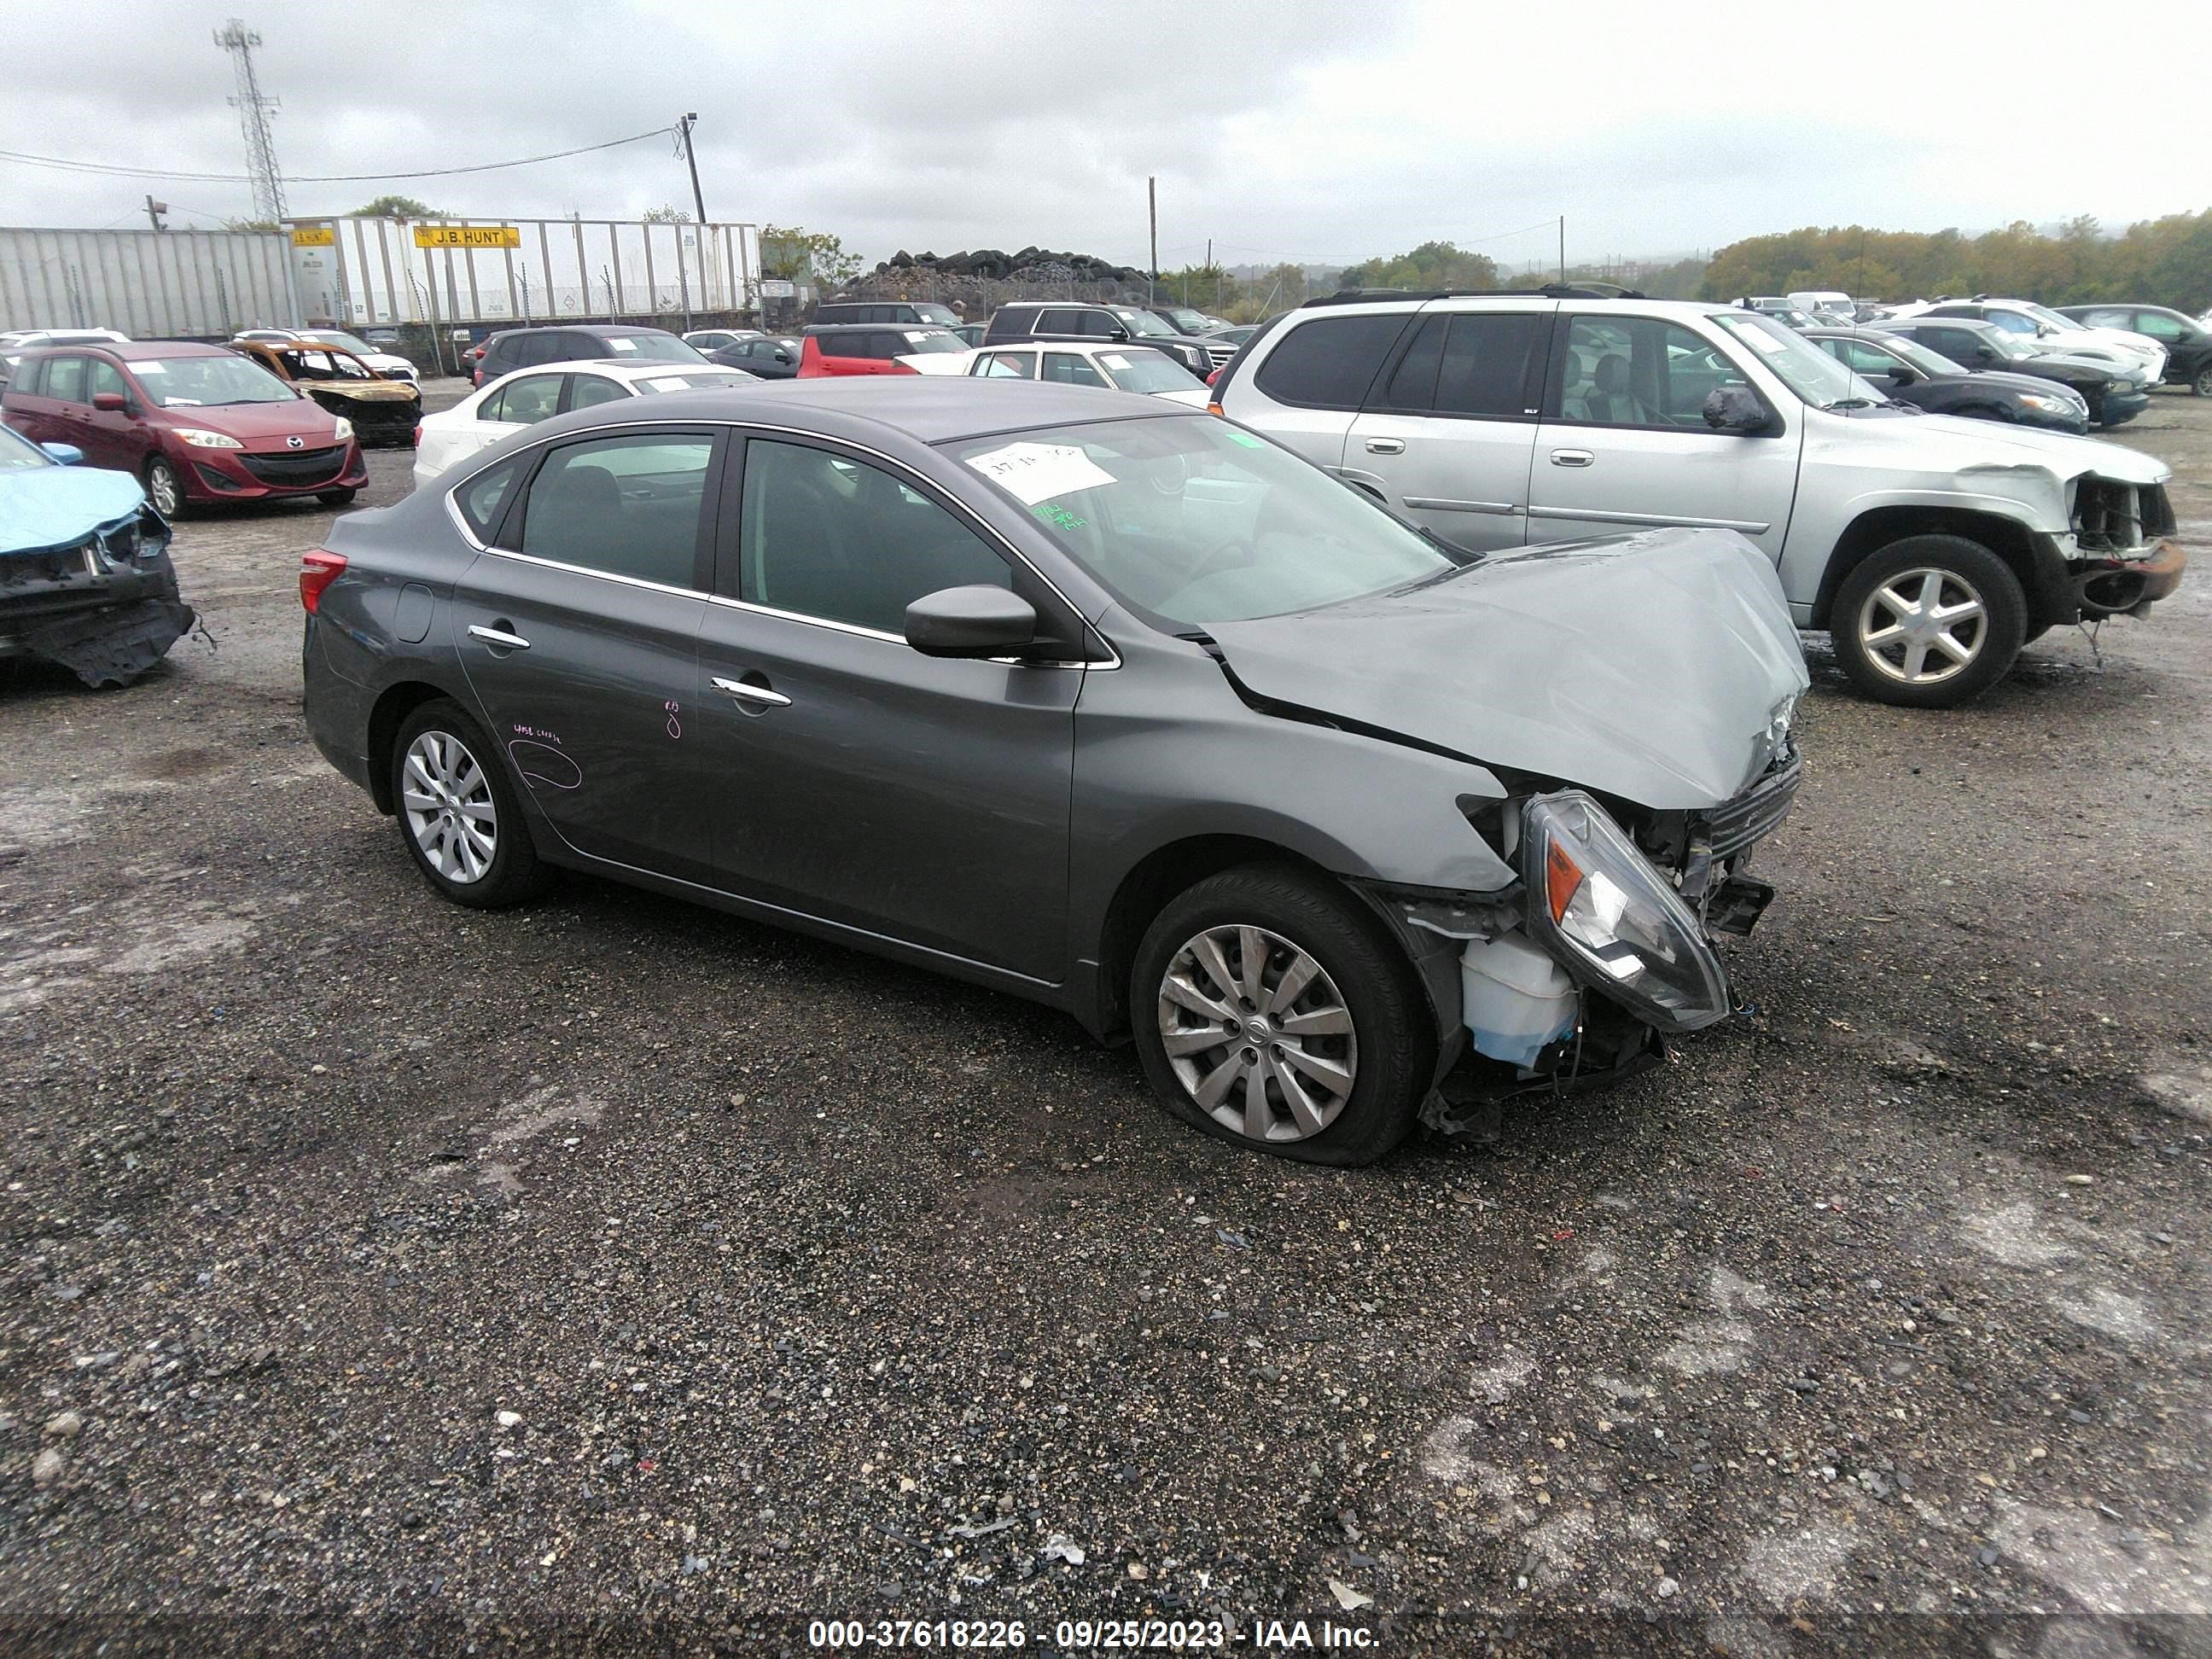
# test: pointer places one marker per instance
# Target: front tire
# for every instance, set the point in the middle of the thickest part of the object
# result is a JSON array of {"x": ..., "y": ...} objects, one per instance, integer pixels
[
  {"x": 164, "y": 488},
  {"x": 458, "y": 816},
  {"x": 1929, "y": 622},
  {"x": 2200, "y": 384},
  {"x": 336, "y": 497},
  {"x": 1272, "y": 1010}
]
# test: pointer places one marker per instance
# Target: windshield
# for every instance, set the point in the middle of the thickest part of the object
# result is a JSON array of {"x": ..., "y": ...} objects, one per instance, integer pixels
[
  {"x": 937, "y": 315},
  {"x": 338, "y": 337},
  {"x": 701, "y": 381},
  {"x": 1189, "y": 321},
  {"x": 17, "y": 452},
  {"x": 932, "y": 339},
  {"x": 1143, "y": 323},
  {"x": 660, "y": 348},
  {"x": 2050, "y": 318},
  {"x": 1144, "y": 371},
  {"x": 1802, "y": 366},
  {"x": 1196, "y": 520},
  {"x": 2008, "y": 347},
  {"x": 189, "y": 382}
]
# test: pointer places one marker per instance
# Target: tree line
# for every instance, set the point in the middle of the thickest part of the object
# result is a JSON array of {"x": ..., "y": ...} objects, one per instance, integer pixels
[{"x": 2156, "y": 261}]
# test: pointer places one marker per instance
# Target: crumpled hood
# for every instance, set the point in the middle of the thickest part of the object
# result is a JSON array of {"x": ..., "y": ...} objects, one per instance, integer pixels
[
  {"x": 1650, "y": 666},
  {"x": 50, "y": 507}
]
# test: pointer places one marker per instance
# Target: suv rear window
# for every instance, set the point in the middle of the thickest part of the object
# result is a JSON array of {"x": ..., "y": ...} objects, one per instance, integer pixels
[{"x": 1329, "y": 362}]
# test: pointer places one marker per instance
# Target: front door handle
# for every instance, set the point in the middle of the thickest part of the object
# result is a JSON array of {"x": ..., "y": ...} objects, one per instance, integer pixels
[
  {"x": 1571, "y": 457},
  {"x": 499, "y": 637},
  {"x": 754, "y": 694},
  {"x": 1386, "y": 445}
]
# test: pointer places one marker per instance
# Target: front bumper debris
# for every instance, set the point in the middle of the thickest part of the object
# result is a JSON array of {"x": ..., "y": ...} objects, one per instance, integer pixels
[
  {"x": 2105, "y": 587},
  {"x": 107, "y": 609}
]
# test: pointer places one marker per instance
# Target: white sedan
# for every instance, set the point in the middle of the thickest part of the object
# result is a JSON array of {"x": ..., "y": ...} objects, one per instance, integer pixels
[
  {"x": 1123, "y": 367},
  {"x": 528, "y": 396}
]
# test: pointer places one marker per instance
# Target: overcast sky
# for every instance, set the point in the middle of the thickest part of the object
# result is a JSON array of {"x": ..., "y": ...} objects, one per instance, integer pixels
[{"x": 1321, "y": 132}]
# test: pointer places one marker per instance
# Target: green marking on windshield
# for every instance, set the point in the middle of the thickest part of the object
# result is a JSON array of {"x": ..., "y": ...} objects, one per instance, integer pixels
[
  {"x": 1246, "y": 439},
  {"x": 1053, "y": 513}
]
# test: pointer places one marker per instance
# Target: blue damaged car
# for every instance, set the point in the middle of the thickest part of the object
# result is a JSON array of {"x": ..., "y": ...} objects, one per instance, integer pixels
[{"x": 85, "y": 576}]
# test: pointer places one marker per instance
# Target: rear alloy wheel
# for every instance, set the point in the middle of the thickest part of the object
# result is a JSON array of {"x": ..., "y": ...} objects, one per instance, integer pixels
[
  {"x": 1273, "y": 1009},
  {"x": 1929, "y": 622},
  {"x": 458, "y": 814},
  {"x": 163, "y": 488}
]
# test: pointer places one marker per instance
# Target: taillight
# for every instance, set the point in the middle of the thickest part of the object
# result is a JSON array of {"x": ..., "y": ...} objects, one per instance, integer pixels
[
  {"x": 317, "y": 570},
  {"x": 418, "y": 435}
]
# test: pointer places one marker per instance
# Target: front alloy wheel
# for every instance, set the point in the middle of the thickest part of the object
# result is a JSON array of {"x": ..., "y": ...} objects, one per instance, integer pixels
[
  {"x": 447, "y": 802},
  {"x": 1257, "y": 1034},
  {"x": 2201, "y": 382},
  {"x": 1923, "y": 627},
  {"x": 162, "y": 487}
]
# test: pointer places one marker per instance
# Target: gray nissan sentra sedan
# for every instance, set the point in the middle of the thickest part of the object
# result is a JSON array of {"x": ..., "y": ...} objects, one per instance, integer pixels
[{"x": 1095, "y": 700}]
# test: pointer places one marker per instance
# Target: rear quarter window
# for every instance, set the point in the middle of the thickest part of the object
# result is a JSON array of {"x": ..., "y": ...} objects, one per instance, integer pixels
[
  {"x": 481, "y": 499},
  {"x": 1329, "y": 362}
]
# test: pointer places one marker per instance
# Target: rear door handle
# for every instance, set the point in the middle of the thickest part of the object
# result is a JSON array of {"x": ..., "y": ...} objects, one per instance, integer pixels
[
  {"x": 1386, "y": 445},
  {"x": 1573, "y": 458},
  {"x": 499, "y": 636},
  {"x": 757, "y": 694}
]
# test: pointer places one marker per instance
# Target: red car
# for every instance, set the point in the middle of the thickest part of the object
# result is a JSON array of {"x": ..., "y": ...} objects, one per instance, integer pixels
[
  {"x": 870, "y": 347},
  {"x": 198, "y": 424}
]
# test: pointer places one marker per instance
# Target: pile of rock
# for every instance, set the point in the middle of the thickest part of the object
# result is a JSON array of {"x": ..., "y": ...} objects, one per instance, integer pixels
[{"x": 1031, "y": 264}]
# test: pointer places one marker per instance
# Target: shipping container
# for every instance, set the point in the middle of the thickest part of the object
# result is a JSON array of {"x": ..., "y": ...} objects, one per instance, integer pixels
[
  {"x": 366, "y": 273},
  {"x": 149, "y": 285}
]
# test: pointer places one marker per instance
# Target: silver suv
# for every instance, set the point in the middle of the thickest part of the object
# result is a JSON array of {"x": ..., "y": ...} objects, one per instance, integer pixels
[{"x": 1931, "y": 548}]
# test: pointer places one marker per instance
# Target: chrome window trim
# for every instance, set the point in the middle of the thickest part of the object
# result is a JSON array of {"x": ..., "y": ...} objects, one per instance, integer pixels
[{"x": 818, "y": 439}]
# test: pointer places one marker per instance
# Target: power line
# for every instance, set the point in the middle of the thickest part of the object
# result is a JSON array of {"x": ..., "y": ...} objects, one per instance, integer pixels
[{"x": 106, "y": 169}]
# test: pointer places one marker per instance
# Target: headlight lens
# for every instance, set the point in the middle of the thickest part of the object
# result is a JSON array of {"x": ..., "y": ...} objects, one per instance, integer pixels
[
  {"x": 200, "y": 437},
  {"x": 345, "y": 430},
  {"x": 1596, "y": 903},
  {"x": 2053, "y": 405}
]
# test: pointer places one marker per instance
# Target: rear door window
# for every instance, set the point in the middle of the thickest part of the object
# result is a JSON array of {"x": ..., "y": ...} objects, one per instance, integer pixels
[
  {"x": 65, "y": 378},
  {"x": 1329, "y": 362},
  {"x": 628, "y": 505},
  {"x": 1490, "y": 367},
  {"x": 1009, "y": 366}
]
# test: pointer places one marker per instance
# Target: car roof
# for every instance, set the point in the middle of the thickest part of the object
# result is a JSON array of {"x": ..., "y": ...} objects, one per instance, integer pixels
[
  {"x": 928, "y": 409},
  {"x": 133, "y": 352},
  {"x": 873, "y": 328}
]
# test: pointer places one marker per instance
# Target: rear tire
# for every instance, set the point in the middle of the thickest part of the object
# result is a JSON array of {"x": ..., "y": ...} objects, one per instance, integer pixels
[
  {"x": 458, "y": 816},
  {"x": 1335, "y": 1073},
  {"x": 1929, "y": 622}
]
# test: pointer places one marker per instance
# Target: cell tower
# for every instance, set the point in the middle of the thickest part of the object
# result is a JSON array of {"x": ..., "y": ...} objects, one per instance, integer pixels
[{"x": 254, "y": 113}]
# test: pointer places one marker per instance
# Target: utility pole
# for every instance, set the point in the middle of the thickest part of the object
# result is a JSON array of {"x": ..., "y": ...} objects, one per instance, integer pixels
[
  {"x": 691, "y": 161},
  {"x": 155, "y": 210},
  {"x": 1563, "y": 247},
  {"x": 254, "y": 113},
  {"x": 1152, "y": 270}
]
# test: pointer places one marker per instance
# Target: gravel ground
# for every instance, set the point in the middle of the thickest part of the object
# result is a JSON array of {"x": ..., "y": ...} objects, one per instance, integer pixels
[{"x": 610, "y": 1270}]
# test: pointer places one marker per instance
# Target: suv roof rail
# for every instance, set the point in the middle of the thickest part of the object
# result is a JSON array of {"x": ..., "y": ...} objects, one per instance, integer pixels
[{"x": 1352, "y": 296}]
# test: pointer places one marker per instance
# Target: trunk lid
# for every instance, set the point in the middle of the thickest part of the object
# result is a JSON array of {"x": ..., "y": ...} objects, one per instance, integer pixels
[{"x": 1659, "y": 667}]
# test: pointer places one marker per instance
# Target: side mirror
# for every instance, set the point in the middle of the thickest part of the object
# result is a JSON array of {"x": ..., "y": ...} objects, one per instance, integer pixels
[
  {"x": 1117, "y": 335},
  {"x": 1736, "y": 408},
  {"x": 67, "y": 454},
  {"x": 1985, "y": 354},
  {"x": 112, "y": 403},
  {"x": 1902, "y": 376},
  {"x": 978, "y": 621}
]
